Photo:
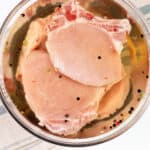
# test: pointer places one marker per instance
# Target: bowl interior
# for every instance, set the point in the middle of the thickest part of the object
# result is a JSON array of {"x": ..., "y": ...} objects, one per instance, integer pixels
[{"x": 11, "y": 39}]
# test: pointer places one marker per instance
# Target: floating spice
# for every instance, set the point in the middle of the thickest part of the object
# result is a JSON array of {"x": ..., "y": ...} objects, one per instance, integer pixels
[
  {"x": 130, "y": 112},
  {"x": 17, "y": 52},
  {"x": 138, "y": 99},
  {"x": 65, "y": 121},
  {"x": 117, "y": 109},
  {"x": 114, "y": 125},
  {"x": 132, "y": 108},
  {"x": 132, "y": 49},
  {"x": 141, "y": 93},
  {"x": 60, "y": 76},
  {"x": 66, "y": 115},
  {"x": 59, "y": 6},
  {"x": 49, "y": 70},
  {"x": 147, "y": 76},
  {"x": 139, "y": 90},
  {"x": 23, "y": 15},
  {"x": 104, "y": 128},
  {"x": 25, "y": 43},
  {"x": 99, "y": 57},
  {"x": 10, "y": 64},
  {"x": 120, "y": 121},
  {"x": 126, "y": 60},
  {"x": 121, "y": 115},
  {"x": 78, "y": 98},
  {"x": 142, "y": 35},
  {"x": 117, "y": 123},
  {"x": 114, "y": 120}
]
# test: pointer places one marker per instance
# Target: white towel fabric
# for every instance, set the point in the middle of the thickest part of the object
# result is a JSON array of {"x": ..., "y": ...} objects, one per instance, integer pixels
[{"x": 12, "y": 135}]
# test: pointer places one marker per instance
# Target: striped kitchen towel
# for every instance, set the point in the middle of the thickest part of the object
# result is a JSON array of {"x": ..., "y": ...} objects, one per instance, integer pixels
[{"x": 14, "y": 137}]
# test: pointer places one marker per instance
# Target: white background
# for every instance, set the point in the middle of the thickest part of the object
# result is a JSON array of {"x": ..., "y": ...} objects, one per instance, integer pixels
[{"x": 138, "y": 137}]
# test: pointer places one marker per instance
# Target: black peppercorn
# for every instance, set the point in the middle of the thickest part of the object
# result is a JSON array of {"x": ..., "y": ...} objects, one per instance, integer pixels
[
  {"x": 99, "y": 57},
  {"x": 132, "y": 108},
  {"x": 78, "y": 98},
  {"x": 23, "y": 15},
  {"x": 10, "y": 65},
  {"x": 66, "y": 115},
  {"x": 142, "y": 35},
  {"x": 65, "y": 121},
  {"x": 59, "y": 5},
  {"x": 60, "y": 76},
  {"x": 130, "y": 112},
  {"x": 120, "y": 121},
  {"x": 121, "y": 114},
  {"x": 114, "y": 125},
  {"x": 139, "y": 90}
]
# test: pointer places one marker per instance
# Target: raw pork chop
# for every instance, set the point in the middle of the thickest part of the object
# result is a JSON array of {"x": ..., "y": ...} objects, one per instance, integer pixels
[
  {"x": 62, "y": 105},
  {"x": 87, "y": 48},
  {"x": 85, "y": 54},
  {"x": 114, "y": 98}
]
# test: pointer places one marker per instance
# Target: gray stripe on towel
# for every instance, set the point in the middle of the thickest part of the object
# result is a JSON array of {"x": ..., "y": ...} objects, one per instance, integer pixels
[{"x": 145, "y": 9}]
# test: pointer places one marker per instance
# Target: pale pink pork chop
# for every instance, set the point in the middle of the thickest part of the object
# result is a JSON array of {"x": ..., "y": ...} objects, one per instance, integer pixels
[
  {"x": 85, "y": 54},
  {"x": 62, "y": 105},
  {"x": 114, "y": 99},
  {"x": 87, "y": 48}
]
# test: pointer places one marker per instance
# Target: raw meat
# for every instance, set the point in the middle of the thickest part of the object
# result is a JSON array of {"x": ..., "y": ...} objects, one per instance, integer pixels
[
  {"x": 114, "y": 98},
  {"x": 62, "y": 105},
  {"x": 85, "y": 54}
]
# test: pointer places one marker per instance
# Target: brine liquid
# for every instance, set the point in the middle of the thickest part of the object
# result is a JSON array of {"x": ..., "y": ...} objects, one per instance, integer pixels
[{"x": 138, "y": 72}]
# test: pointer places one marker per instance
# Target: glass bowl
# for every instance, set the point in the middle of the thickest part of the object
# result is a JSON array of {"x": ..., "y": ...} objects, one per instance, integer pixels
[{"x": 9, "y": 21}]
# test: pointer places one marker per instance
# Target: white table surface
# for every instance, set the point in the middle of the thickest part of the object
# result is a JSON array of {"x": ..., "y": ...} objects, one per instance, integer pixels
[{"x": 137, "y": 137}]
